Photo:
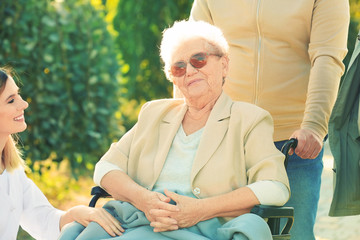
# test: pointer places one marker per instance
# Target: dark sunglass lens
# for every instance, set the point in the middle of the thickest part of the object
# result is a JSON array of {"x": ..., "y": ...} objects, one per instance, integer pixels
[
  {"x": 198, "y": 60},
  {"x": 178, "y": 69}
]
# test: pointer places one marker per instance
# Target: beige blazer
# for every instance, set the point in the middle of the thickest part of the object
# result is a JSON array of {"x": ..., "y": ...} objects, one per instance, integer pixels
[{"x": 236, "y": 147}]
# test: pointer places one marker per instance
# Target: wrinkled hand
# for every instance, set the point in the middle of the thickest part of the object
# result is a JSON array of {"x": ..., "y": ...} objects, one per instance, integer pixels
[
  {"x": 84, "y": 215},
  {"x": 187, "y": 216},
  {"x": 158, "y": 202},
  {"x": 309, "y": 144}
]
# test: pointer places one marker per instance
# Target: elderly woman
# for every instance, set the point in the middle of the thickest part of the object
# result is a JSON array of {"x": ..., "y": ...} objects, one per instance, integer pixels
[{"x": 193, "y": 168}]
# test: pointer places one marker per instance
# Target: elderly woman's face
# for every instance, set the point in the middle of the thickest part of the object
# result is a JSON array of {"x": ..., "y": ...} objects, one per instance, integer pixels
[{"x": 198, "y": 71}]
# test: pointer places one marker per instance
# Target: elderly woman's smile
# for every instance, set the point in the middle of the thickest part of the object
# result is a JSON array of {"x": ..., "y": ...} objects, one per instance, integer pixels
[{"x": 194, "y": 81}]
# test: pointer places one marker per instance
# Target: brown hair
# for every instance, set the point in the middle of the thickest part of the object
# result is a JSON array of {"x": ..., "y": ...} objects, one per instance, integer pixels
[{"x": 10, "y": 156}]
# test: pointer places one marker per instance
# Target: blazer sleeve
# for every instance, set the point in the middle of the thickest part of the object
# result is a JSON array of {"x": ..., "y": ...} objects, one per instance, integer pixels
[
  {"x": 263, "y": 160},
  {"x": 116, "y": 158}
]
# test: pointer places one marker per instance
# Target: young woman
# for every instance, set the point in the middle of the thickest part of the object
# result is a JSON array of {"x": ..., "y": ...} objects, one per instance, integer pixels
[{"x": 21, "y": 201}]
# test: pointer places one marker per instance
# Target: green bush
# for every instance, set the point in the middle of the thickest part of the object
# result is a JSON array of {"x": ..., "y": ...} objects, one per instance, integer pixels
[
  {"x": 353, "y": 28},
  {"x": 138, "y": 26},
  {"x": 66, "y": 59}
]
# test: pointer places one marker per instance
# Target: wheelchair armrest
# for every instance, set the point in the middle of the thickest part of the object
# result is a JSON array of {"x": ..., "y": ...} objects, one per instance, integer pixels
[
  {"x": 97, "y": 192},
  {"x": 272, "y": 211},
  {"x": 274, "y": 214}
]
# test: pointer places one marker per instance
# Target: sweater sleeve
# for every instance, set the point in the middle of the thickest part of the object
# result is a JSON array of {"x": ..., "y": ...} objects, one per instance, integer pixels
[
  {"x": 327, "y": 49},
  {"x": 201, "y": 11},
  {"x": 39, "y": 218}
]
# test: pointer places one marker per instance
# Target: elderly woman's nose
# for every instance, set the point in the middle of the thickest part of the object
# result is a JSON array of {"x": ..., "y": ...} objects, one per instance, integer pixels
[{"x": 190, "y": 69}]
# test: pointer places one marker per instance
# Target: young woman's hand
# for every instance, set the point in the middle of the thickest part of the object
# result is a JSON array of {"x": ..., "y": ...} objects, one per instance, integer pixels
[{"x": 84, "y": 215}]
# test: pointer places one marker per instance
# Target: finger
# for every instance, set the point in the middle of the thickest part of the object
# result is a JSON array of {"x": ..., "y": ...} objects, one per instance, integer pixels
[
  {"x": 112, "y": 221},
  {"x": 156, "y": 213},
  {"x": 83, "y": 222},
  {"x": 111, "y": 229},
  {"x": 164, "y": 198},
  {"x": 171, "y": 228},
  {"x": 171, "y": 195},
  {"x": 312, "y": 151},
  {"x": 107, "y": 222},
  {"x": 165, "y": 221},
  {"x": 307, "y": 150},
  {"x": 160, "y": 227},
  {"x": 313, "y": 154},
  {"x": 107, "y": 228},
  {"x": 316, "y": 152},
  {"x": 300, "y": 146},
  {"x": 291, "y": 151},
  {"x": 168, "y": 207},
  {"x": 312, "y": 148}
]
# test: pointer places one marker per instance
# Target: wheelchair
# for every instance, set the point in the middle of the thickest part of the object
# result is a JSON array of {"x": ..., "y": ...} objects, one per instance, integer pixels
[{"x": 273, "y": 214}]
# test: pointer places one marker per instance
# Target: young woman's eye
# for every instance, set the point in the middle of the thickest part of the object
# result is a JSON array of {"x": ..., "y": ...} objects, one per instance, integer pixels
[{"x": 12, "y": 101}]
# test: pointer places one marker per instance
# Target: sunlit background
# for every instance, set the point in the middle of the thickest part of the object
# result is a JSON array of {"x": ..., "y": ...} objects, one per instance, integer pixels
[{"x": 86, "y": 67}]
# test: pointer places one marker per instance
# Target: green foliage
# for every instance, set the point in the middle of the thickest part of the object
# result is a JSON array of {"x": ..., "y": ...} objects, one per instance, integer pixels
[
  {"x": 22, "y": 235},
  {"x": 67, "y": 62},
  {"x": 55, "y": 181},
  {"x": 139, "y": 26},
  {"x": 353, "y": 28}
]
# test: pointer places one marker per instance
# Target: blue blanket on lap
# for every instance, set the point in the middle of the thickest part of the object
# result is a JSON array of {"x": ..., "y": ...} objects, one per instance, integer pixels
[{"x": 137, "y": 227}]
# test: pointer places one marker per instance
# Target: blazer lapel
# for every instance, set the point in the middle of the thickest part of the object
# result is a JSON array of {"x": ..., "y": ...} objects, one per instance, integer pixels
[
  {"x": 167, "y": 130},
  {"x": 214, "y": 132}
]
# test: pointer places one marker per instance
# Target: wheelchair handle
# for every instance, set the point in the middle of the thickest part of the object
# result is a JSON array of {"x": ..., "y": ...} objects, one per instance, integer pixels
[{"x": 290, "y": 144}]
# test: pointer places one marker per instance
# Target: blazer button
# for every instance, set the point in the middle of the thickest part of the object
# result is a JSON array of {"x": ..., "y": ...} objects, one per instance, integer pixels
[{"x": 196, "y": 191}]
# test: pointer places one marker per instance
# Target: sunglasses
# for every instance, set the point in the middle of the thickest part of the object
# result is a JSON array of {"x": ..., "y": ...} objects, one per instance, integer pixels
[{"x": 197, "y": 60}]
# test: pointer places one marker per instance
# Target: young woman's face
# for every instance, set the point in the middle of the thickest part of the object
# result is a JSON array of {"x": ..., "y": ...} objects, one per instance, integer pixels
[{"x": 12, "y": 108}]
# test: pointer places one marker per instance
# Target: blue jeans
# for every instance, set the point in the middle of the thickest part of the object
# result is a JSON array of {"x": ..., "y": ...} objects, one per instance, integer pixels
[{"x": 305, "y": 180}]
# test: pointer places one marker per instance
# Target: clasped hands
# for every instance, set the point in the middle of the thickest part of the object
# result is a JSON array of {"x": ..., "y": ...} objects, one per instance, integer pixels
[{"x": 164, "y": 216}]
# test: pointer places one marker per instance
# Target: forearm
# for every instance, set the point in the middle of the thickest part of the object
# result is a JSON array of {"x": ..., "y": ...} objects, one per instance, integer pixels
[
  {"x": 322, "y": 90},
  {"x": 121, "y": 187},
  {"x": 65, "y": 219},
  {"x": 327, "y": 49},
  {"x": 231, "y": 204}
]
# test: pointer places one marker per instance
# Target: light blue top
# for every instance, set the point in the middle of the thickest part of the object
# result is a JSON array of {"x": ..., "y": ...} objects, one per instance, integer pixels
[{"x": 175, "y": 174}]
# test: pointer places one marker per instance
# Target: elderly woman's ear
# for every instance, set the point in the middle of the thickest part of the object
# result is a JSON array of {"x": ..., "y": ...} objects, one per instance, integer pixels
[{"x": 225, "y": 63}]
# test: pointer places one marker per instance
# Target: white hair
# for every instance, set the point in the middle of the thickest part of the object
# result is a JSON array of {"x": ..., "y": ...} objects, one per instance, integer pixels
[{"x": 185, "y": 30}]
